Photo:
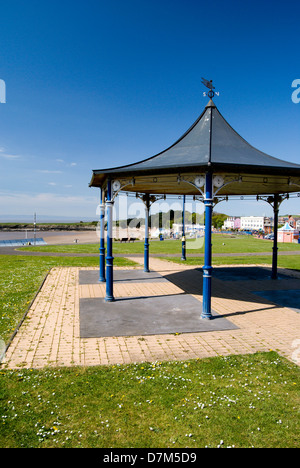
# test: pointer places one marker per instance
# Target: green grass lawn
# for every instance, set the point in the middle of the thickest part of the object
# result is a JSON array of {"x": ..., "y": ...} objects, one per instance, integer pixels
[
  {"x": 221, "y": 243},
  {"x": 288, "y": 261},
  {"x": 238, "y": 401}
]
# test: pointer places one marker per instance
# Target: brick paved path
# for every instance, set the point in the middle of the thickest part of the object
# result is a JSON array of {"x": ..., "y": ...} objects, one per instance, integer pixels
[{"x": 50, "y": 334}]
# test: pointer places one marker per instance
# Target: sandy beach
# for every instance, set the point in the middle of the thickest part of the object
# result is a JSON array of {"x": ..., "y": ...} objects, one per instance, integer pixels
[{"x": 54, "y": 237}]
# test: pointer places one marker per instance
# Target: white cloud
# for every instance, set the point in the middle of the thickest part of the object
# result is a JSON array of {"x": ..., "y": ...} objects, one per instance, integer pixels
[
  {"x": 4, "y": 154},
  {"x": 46, "y": 171},
  {"x": 73, "y": 164},
  {"x": 9, "y": 156},
  {"x": 48, "y": 204},
  {"x": 52, "y": 183}
]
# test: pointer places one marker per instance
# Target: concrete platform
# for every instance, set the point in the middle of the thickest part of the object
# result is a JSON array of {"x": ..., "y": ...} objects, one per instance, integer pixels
[{"x": 146, "y": 316}]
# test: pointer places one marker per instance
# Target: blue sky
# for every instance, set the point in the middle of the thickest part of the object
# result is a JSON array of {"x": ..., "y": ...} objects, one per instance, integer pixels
[{"x": 92, "y": 84}]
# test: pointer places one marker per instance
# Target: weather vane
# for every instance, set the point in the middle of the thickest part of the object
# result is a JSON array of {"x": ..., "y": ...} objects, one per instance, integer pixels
[{"x": 210, "y": 86}]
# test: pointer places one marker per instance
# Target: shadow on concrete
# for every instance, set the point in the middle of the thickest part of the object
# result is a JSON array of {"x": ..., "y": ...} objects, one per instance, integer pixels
[{"x": 238, "y": 283}]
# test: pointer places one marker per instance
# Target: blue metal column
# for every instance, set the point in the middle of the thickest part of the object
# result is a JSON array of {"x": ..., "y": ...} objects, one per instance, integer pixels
[
  {"x": 146, "y": 245},
  {"x": 275, "y": 242},
  {"x": 207, "y": 268},
  {"x": 102, "y": 238},
  {"x": 183, "y": 251},
  {"x": 109, "y": 258}
]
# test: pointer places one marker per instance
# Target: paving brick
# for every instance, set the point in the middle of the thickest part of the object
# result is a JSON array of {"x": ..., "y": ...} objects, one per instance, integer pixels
[{"x": 50, "y": 333}]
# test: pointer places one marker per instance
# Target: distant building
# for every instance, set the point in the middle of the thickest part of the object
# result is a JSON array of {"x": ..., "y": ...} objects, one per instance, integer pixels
[
  {"x": 288, "y": 234},
  {"x": 189, "y": 228},
  {"x": 256, "y": 223},
  {"x": 292, "y": 222},
  {"x": 268, "y": 225},
  {"x": 232, "y": 223},
  {"x": 282, "y": 219}
]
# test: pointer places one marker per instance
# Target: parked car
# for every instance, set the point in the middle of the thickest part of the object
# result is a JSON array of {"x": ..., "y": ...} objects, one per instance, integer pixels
[{"x": 269, "y": 236}]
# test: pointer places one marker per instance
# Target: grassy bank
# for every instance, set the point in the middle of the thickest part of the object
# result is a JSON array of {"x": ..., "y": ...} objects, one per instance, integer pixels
[
  {"x": 285, "y": 261},
  {"x": 220, "y": 244},
  {"x": 238, "y": 401}
]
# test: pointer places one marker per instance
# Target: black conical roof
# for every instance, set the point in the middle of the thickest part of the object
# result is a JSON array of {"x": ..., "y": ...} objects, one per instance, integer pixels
[{"x": 209, "y": 143}]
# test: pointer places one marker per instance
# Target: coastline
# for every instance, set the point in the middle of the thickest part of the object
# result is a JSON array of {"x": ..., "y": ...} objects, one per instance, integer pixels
[{"x": 54, "y": 237}]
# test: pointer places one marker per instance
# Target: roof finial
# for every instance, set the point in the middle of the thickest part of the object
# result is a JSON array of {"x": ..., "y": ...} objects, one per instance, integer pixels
[{"x": 210, "y": 86}]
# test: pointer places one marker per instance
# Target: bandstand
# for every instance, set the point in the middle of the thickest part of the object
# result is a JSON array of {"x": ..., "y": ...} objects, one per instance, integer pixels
[{"x": 211, "y": 162}]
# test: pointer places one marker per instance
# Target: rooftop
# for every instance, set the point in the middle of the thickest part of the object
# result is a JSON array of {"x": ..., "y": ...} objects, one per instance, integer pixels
[{"x": 209, "y": 144}]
